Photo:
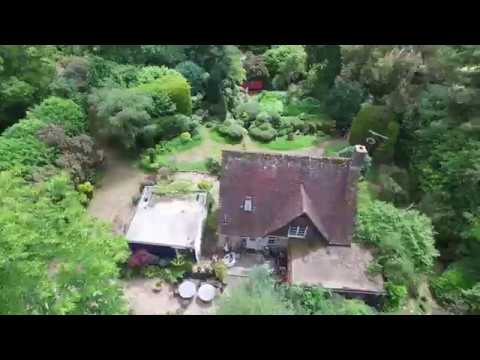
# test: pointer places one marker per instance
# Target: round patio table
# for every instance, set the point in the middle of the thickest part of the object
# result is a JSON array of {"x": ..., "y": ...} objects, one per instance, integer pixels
[
  {"x": 206, "y": 292},
  {"x": 187, "y": 290}
]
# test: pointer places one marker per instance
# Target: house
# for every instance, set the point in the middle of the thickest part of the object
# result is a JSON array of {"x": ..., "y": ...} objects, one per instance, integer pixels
[
  {"x": 304, "y": 205},
  {"x": 164, "y": 224}
]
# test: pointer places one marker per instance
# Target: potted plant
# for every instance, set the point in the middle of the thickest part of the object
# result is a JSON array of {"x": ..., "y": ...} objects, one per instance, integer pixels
[{"x": 157, "y": 287}]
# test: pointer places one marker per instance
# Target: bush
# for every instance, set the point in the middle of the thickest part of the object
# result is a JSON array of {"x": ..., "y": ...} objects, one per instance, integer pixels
[
  {"x": 380, "y": 120},
  {"x": 87, "y": 189},
  {"x": 20, "y": 147},
  {"x": 220, "y": 270},
  {"x": 174, "y": 187},
  {"x": 162, "y": 104},
  {"x": 195, "y": 75},
  {"x": 272, "y": 101},
  {"x": 264, "y": 132},
  {"x": 213, "y": 166},
  {"x": 396, "y": 296},
  {"x": 286, "y": 62},
  {"x": 255, "y": 67},
  {"x": 61, "y": 112},
  {"x": 231, "y": 129},
  {"x": 185, "y": 136},
  {"x": 257, "y": 296},
  {"x": 449, "y": 287},
  {"x": 403, "y": 240},
  {"x": 344, "y": 102},
  {"x": 148, "y": 74},
  {"x": 177, "y": 89},
  {"x": 121, "y": 114},
  {"x": 248, "y": 110},
  {"x": 205, "y": 185},
  {"x": 141, "y": 258}
]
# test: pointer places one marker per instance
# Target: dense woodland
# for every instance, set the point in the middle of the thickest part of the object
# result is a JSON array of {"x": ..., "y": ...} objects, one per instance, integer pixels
[{"x": 417, "y": 108}]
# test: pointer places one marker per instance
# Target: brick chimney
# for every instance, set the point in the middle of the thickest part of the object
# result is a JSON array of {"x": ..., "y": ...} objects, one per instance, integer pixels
[{"x": 358, "y": 159}]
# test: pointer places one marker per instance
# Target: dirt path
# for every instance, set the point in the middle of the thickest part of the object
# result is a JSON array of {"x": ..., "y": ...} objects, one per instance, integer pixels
[{"x": 112, "y": 200}]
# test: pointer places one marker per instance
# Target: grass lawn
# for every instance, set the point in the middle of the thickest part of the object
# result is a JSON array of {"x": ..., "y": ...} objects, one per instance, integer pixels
[
  {"x": 283, "y": 144},
  {"x": 194, "y": 166},
  {"x": 333, "y": 148},
  {"x": 220, "y": 139}
]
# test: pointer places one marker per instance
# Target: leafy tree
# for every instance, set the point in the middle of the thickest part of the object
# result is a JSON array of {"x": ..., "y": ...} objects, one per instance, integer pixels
[
  {"x": 286, "y": 64},
  {"x": 255, "y": 297},
  {"x": 255, "y": 67},
  {"x": 25, "y": 73},
  {"x": 64, "y": 112},
  {"x": 195, "y": 75},
  {"x": 324, "y": 63},
  {"x": 54, "y": 258},
  {"x": 403, "y": 240},
  {"x": 122, "y": 114},
  {"x": 344, "y": 102}
]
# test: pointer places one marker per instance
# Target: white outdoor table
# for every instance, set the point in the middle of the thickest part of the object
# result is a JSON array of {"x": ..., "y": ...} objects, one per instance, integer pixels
[
  {"x": 206, "y": 292},
  {"x": 187, "y": 290}
]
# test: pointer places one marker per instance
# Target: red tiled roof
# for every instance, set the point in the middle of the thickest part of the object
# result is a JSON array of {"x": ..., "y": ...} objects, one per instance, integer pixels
[{"x": 283, "y": 188}]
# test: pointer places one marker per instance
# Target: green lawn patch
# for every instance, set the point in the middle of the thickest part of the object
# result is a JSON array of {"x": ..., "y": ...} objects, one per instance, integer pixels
[
  {"x": 283, "y": 144},
  {"x": 333, "y": 148},
  {"x": 195, "y": 166},
  {"x": 220, "y": 139}
]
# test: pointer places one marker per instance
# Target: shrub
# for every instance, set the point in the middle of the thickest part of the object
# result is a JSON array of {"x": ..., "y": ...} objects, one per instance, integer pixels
[
  {"x": 344, "y": 102},
  {"x": 174, "y": 187},
  {"x": 448, "y": 287},
  {"x": 264, "y": 132},
  {"x": 272, "y": 101},
  {"x": 162, "y": 104},
  {"x": 248, "y": 110},
  {"x": 257, "y": 296},
  {"x": 86, "y": 188},
  {"x": 148, "y": 74},
  {"x": 288, "y": 61},
  {"x": 62, "y": 112},
  {"x": 231, "y": 129},
  {"x": 20, "y": 147},
  {"x": 185, "y": 136},
  {"x": 220, "y": 270},
  {"x": 121, "y": 114},
  {"x": 205, "y": 185},
  {"x": 380, "y": 120},
  {"x": 396, "y": 296},
  {"x": 255, "y": 67},
  {"x": 141, "y": 258},
  {"x": 213, "y": 166},
  {"x": 177, "y": 89},
  {"x": 195, "y": 75},
  {"x": 403, "y": 239},
  {"x": 78, "y": 155}
]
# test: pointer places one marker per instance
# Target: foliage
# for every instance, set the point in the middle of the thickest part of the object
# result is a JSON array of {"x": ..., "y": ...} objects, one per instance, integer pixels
[
  {"x": 25, "y": 74},
  {"x": 403, "y": 240},
  {"x": 174, "y": 188},
  {"x": 343, "y": 102},
  {"x": 272, "y": 101},
  {"x": 449, "y": 287},
  {"x": 104, "y": 73},
  {"x": 41, "y": 270},
  {"x": 220, "y": 270},
  {"x": 78, "y": 155},
  {"x": 205, "y": 185},
  {"x": 195, "y": 75},
  {"x": 86, "y": 188},
  {"x": 63, "y": 112},
  {"x": 231, "y": 129},
  {"x": 213, "y": 166},
  {"x": 329, "y": 56},
  {"x": 122, "y": 114},
  {"x": 286, "y": 64},
  {"x": 257, "y": 296},
  {"x": 396, "y": 296},
  {"x": 381, "y": 121},
  {"x": 148, "y": 74},
  {"x": 21, "y": 148},
  {"x": 255, "y": 67},
  {"x": 264, "y": 132}
]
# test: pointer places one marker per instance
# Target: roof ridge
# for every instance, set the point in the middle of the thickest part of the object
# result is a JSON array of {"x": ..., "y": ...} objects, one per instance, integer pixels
[{"x": 306, "y": 209}]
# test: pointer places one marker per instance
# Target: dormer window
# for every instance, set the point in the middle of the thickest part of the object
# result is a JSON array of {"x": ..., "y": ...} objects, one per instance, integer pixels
[
  {"x": 297, "y": 231},
  {"x": 248, "y": 204}
]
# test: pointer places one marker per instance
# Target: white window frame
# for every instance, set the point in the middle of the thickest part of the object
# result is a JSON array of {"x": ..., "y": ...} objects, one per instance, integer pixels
[{"x": 299, "y": 232}]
